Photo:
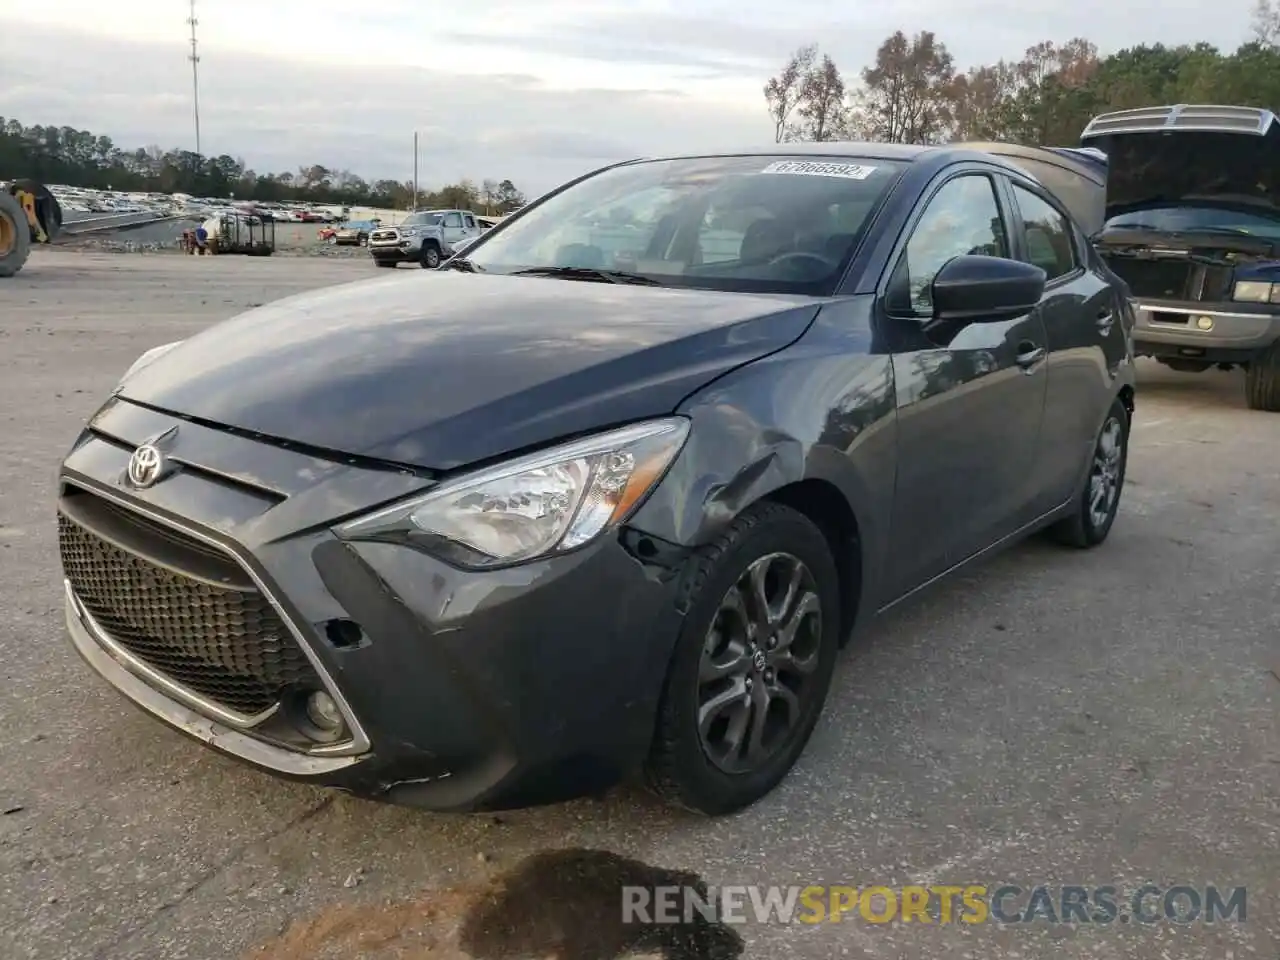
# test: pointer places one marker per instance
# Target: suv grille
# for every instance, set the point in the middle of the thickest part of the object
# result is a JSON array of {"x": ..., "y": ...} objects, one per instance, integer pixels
[{"x": 227, "y": 645}]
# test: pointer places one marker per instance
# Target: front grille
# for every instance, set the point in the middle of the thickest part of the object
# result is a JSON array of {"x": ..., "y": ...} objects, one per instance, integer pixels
[
  {"x": 225, "y": 644},
  {"x": 383, "y": 235},
  {"x": 1174, "y": 279},
  {"x": 1157, "y": 279}
]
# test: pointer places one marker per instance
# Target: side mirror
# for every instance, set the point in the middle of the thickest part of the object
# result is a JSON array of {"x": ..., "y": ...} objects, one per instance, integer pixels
[{"x": 986, "y": 289}]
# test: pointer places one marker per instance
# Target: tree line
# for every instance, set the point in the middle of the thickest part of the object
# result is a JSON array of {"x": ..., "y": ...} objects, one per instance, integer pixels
[
  {"x": 79, "y": 158},
  {"x": 913, "y": 92}
]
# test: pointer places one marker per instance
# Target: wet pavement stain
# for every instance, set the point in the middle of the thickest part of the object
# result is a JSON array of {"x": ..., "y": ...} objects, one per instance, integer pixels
[
  {"x": 568, "y": 904},
  {"x": 554, "y": 905}
]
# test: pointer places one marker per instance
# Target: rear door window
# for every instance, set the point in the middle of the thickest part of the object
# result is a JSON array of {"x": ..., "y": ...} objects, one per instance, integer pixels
[{"x": 1048, "y": 234}]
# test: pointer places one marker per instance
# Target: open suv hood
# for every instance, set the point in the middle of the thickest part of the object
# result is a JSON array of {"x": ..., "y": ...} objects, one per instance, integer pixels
[{"x": 1182, "y": 152}]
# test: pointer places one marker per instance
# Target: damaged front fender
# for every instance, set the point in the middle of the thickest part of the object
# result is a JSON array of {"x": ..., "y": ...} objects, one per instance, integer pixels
[{"x": 819, "y": 413}]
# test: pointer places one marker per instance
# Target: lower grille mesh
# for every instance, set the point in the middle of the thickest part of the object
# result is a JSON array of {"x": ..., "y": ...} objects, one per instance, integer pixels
[{"x": 229, "y": 646}]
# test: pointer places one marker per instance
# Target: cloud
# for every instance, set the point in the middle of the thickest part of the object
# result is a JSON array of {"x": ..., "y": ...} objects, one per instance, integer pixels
[
  {"x": 538, "y": 93},
  {"x": 278, "y": 115}
]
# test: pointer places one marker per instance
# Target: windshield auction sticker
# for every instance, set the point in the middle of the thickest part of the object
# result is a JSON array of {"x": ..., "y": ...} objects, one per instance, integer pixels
[{"x": 821, "y": 168}]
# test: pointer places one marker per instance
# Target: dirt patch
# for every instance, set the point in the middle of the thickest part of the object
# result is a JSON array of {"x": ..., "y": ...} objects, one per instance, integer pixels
[{"x": 556, "y": 905}]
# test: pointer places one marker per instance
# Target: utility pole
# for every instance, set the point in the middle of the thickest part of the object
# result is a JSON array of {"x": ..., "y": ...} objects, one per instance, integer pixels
[
  {"x": 195, "y": 74},
  {"x": 415, "y": 167}
]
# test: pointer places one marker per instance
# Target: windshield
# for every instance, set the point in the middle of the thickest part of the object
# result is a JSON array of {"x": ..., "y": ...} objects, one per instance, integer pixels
[
  {"x": 1182, "y": 219},
  {"x": 423, "y": 219},
  {"x": 752, "y": 224}
]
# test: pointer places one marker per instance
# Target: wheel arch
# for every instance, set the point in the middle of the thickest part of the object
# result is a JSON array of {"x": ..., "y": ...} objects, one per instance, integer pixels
[{"x": 823, "y": 504}]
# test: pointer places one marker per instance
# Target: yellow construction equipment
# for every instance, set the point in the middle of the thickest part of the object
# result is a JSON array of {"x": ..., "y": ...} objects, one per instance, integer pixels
[{"x": 29, "y": 213}]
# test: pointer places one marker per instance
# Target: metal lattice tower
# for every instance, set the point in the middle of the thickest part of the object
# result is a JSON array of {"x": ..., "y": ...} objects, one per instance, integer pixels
[{"x": 194, "y": 57}]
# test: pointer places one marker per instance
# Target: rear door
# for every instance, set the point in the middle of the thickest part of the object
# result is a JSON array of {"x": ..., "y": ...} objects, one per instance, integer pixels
[
  {"x": 452, "y": 227},
  {"x": 1085, "y": 337},
  {"x": 969, "y": 400}
]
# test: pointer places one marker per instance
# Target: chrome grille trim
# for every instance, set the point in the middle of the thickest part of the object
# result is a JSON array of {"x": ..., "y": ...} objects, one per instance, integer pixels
[{"x": 359, "y": 741}]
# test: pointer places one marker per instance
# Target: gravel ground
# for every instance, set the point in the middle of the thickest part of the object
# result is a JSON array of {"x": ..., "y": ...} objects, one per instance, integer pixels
[{"x": 1055, "y": 717}]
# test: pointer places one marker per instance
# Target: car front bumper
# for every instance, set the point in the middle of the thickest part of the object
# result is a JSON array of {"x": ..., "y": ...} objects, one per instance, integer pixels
[
  {"x": 462, "y": 690},
  {"x": 1204, "y": 330},
  {"x": 394, "y": 252}
]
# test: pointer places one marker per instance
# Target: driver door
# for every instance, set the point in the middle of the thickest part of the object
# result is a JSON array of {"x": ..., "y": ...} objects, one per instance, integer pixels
[{"x": 970, "y": 400}]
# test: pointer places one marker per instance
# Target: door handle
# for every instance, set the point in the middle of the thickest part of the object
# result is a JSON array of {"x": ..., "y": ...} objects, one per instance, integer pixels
[{"x": 1029, "y": 355}]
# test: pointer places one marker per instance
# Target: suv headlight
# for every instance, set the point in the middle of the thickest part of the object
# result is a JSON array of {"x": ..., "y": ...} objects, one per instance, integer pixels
[
  {"x": 534, "y": 506},
  {"x": 408, "y": 232},
  {"x": 1256, "y": 291}
]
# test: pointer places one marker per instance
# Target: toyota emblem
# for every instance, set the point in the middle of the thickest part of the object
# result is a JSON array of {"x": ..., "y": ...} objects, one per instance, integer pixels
[{"x": 145, "y": 465}]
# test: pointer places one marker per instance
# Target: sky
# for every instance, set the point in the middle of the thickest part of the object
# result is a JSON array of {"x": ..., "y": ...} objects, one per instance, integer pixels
[{"x": 535, "y": 92}]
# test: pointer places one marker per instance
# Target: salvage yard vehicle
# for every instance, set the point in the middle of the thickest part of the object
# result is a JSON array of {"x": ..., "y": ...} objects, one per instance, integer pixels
[
  {"x": 425, "y": 237},
  {"x": 29, "y": 213},
  {"x": 353, "y": 233},
  {"x": 1193, "y": 208},
  {"x": 553, "y": 522}
]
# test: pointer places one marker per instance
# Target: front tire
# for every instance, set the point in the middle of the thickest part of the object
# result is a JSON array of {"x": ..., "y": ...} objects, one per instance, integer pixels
[
  {"x": 1098, "y": 505},
  {"x": 430, "y": 256},
  {"x": 15, "y": 235},
  {"x": 1262, "y": 380},
  {"x": 752, "y": 665}
]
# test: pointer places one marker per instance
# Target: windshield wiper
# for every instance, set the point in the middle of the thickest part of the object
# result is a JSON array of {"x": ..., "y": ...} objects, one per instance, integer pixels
[
  {"x": 461, "y": 263},
  {"x": 589, "y": 274}
]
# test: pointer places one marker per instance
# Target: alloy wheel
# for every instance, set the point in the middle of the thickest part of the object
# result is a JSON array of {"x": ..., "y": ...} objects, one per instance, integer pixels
[
  {"x": 758, "y": 660},
  {"x": 1104, "y": 475}
]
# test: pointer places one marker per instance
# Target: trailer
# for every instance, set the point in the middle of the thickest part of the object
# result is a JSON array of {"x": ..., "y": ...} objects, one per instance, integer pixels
[{"x": 239, "y": 233}]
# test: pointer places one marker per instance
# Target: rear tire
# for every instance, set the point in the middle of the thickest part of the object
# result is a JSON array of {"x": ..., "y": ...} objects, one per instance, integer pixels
[
  {"x": 739, "y": 662},
  {"x": 15, "y": 235},
  {"x": 1262, "y": 380},
  {"x": 1089, "y": 525}
]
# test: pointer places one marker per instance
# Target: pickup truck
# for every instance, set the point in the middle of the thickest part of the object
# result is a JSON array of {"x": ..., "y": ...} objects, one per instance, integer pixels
[{"x": 426, "y": 237}]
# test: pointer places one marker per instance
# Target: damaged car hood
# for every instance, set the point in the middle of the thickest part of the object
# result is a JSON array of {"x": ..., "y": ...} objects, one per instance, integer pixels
[{"x": 440, "y": 370}]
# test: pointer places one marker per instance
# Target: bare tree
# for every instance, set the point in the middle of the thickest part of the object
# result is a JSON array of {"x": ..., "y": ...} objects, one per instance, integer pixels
[
  {"x": 1043, "y": 82},
  {"x": 783, "y": 93},
  {"x": 980, "y": 101},
  {"x": 907, "y": 93},
  {"x": 1264, "y": 24},
  {"x": 821, "y": 106},
  {"x": 489, "y": 194}
]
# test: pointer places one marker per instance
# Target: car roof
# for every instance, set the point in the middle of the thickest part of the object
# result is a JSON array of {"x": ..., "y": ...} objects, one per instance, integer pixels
[
  {"x": 827, "y": 148},
  {"x": 863, "y": 150},
  {"x": 1078, "y": 182}
]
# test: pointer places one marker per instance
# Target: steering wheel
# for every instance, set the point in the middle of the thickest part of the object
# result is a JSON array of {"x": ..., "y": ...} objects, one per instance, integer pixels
[{"x": 826, "y": 263}]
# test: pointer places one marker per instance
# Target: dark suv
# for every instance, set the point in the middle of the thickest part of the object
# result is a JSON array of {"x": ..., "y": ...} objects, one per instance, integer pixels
[
  {"x": 1193, "y": 207},
  {"x": 607, "y": 493}
]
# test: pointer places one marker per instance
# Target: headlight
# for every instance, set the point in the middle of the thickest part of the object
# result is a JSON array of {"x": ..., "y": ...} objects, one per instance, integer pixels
[
  {"x": 409, "y": 232},
  {"x": 1256, "y": 291},
  {"x": 534, "y": 506},
  {"x": 148, "y": 358}
]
